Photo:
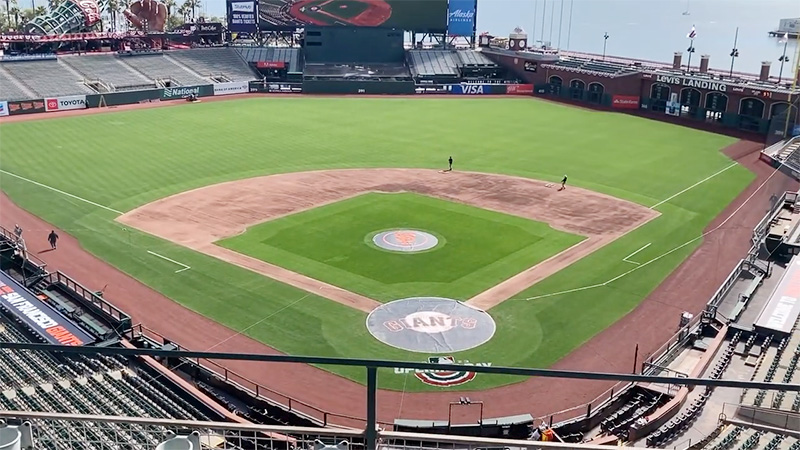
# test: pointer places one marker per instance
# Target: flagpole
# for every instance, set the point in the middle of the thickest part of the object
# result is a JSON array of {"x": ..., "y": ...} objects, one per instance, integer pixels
[
  {"x": 690, "y": 50},
  {"x": 569, "y": 28},
  {"x": 735, "y": 51},
  {"x": 794, "y": 86},
  {"x": 783, "y": 58}
]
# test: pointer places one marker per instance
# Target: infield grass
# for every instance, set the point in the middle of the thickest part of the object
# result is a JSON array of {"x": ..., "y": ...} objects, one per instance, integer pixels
[
  {"x": 126, "y": 159},
  {"x": 477, "y": 248}
]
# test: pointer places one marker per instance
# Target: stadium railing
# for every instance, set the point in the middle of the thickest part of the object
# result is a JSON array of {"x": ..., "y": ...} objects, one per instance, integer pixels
[{"x": 264, "y": 436}]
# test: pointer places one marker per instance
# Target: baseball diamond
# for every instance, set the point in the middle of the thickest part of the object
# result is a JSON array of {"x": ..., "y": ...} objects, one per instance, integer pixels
[{"x": 370, "y": 225}]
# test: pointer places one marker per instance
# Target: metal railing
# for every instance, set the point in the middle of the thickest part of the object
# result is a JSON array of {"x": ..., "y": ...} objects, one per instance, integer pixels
[
  {"x": 259, "y": 391},
  {"x": 123, "y": 319},
  {"x": 234, "y": 436}
]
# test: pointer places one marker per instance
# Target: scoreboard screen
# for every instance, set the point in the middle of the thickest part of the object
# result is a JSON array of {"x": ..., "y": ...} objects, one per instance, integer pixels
[{"x": 408, "y": 15}]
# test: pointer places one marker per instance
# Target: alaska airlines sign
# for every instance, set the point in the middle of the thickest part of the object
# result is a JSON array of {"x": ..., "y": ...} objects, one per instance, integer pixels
[{"x": 698, "y": 83}]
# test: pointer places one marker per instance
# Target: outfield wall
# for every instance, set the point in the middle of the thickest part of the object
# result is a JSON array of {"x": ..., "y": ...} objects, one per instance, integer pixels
[{"x": 312, "y": 87}]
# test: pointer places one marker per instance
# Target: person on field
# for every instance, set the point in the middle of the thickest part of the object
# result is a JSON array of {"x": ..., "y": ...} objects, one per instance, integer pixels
[
  {"x": 53, "y": 239},
  {"x": 564, "y": 183},
  {"x": 450, "y": 163}
]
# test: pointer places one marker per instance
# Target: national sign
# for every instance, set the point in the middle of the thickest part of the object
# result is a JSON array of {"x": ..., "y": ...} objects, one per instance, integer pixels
[{"x": 443, "y": 378}]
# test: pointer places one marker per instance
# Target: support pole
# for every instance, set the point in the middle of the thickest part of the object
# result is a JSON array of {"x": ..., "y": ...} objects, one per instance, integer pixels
[
  {"x": 635, "y": 358},
  {"x": 372, "y": 407}
]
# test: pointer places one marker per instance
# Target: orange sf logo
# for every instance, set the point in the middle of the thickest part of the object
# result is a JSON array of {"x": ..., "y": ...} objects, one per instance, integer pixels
[{"x": 405, "y": 237}]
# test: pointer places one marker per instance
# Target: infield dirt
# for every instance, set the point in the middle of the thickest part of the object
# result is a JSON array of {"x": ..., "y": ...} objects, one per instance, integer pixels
[
  {"x": 198, "y": 218},
  {"x": 687, "y": 289}
]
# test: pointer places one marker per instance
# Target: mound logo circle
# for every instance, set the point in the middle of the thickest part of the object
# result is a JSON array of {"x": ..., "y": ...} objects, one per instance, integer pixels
[
  {"x": 405, "y": 240},
  {"x": 430, "y": 325}
]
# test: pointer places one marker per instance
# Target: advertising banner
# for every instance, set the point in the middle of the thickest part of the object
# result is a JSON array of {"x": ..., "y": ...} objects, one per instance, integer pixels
[
  {"x": 477, "y": 89},
  {"x": 177, "y": 93},
  {"x": 65, "y": 103},
  {"x": 243, "y": 16},
  {"x": 277, "y": 88},
  {"x": 461, "y": 18},
  {"x": 270, "y": 64},
  {"x": 625, "y": 102},
  {"x": 89, "y": 8},
  {"x": 235, "y": 87},
  {"x": 40, "y": 317},
  {"x": 34, "y": 57},
  {"x": 26, "y": 107},
  {"x": 519, "y": 89},
  {"x": 3, "y": 109}
]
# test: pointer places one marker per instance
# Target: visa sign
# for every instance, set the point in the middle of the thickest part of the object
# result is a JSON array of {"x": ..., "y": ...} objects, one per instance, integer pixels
[
  {"x": 470, "y": 89},
  {"x": 461, "y": 18}
]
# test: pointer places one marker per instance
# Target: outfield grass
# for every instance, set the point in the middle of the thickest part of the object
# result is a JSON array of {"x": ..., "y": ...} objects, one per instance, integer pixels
[
  {"x": 125, "y": 159},
  {"x": 477, "y": 248}
]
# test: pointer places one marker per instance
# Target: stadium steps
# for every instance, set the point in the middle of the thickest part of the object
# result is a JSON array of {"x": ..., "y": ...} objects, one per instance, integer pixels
[
  {"x": 49, "y": 78},
  {"x": 12, "y": 88},
  {"x": 107, "y": 68},
  {"x": 185, "y": 68},
  {"x": 161, "y": 67}
]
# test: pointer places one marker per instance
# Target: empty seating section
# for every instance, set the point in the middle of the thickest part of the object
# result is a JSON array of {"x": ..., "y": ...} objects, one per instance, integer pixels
[
  {"x": 283, "y": 54},
  {"x": 210, "y": 62},
  {"x": 157, "y": 67},
  {"x": 790, "y": 155},
  {"x": 433, "y": 63},
  {"x": 9, "y": 89},
  {"x": 474, "y": 58},
  {"x": 100, "y": 385},
  {"x": 779, "y": 364},
  {"x": 640, "y": 405},
  {"x": 741, "y": 438},
  {"x": 48, "y": 78},
  {"x": 601, "y": 67},
  {"x": 109, "y": 69},
  {"x": 684, "y": 419}
]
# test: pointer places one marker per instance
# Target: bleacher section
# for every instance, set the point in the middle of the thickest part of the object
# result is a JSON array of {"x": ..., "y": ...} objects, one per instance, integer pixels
[
  {"x": 220, "y": 63},
  {"x": 283, "y": 54},
  {"x": 601, "y": 68},
  {"x": 473, "y": 58},
  {"x": 10, "y": 88},
  {"x": 48, "y": 78},
  {"x": 433, "y": 63},
  {"x": 158, "y": 67},
  {"x": 109, "y": 69}
]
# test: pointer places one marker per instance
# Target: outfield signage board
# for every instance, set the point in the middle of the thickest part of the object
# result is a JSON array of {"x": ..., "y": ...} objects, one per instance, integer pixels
[
  {"x": 477, "y": 89},
  {"x": 34, "y": 57},
  {"x": 38, "y": 316},
  {"x": 461, "y": 17},
  {"x": 3, "y": 109},
  {"x": 186, "y": 92},
  {"x": 270, "y": 64},
  {"x": 625, "y": 102},
  {"x": 409, "y": 15},
  {"x": 519, "y": 89},
  {"x": 243, "y": 16},
  {"x": 65, "y": 103},
  {"x": 235, "y": 87},
  {"x": 26, "y": 107}
]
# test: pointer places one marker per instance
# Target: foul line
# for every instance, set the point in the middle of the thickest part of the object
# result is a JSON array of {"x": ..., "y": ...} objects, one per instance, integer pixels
[
  {"x": 645, "y": 264},
  {"x": 637, "y": 251},
  {"x": 692, "y": 186},
  {"x": 185, "y": 267},
  {"x": 61, "y": 192}
]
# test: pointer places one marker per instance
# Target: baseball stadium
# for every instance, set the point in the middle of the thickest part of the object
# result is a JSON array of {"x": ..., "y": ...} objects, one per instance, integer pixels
[{"x": 253, "y": 236}]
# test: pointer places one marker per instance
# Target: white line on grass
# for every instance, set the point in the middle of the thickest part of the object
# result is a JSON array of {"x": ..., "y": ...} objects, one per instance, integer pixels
[
  {"x": 645, "y": 264},
  {"x": 61, "y": 192},
  {"x": 692, "y": 186},
  {"x": 185, "y": 267},
  {"x": 626, "y": 259}
]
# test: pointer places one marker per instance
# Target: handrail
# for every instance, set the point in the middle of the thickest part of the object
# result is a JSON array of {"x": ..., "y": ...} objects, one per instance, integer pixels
[{"x": 290, "y": 404}]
